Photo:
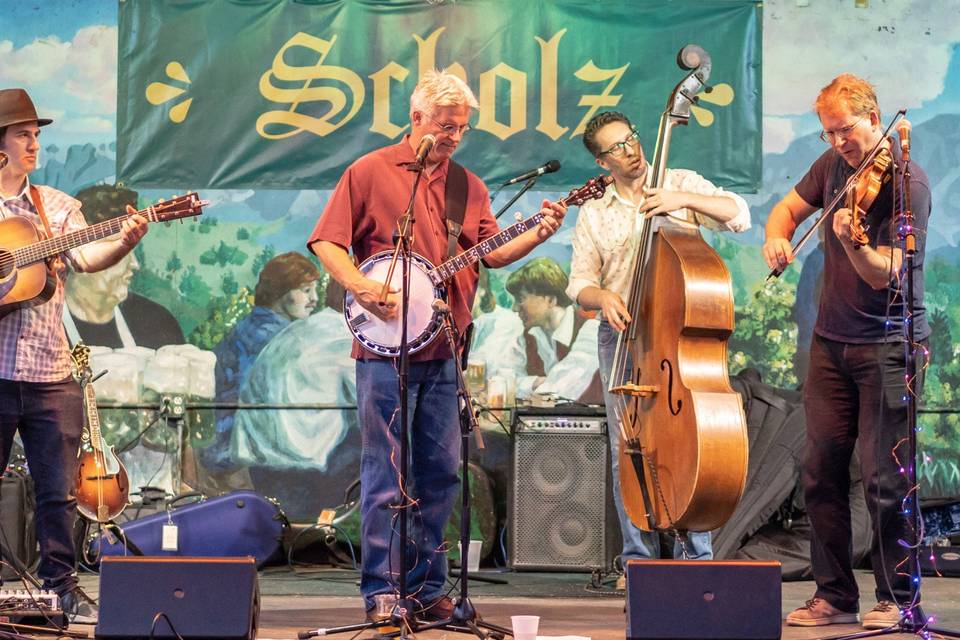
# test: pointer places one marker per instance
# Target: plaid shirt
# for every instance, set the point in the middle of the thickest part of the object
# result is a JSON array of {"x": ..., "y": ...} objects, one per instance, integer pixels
[{"x": 33, "y": 344}]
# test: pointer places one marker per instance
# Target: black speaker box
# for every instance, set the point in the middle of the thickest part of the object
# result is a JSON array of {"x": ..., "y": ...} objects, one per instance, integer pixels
[
  {"x": 210, "y": 598},
  {"x": 703, "y": 600},
  {"x": 561, "y": 511},
  {"x": 939, "y": 561}
]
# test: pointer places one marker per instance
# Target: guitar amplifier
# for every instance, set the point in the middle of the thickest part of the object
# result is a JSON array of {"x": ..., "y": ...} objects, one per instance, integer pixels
[{"x": 561, "y": 513}]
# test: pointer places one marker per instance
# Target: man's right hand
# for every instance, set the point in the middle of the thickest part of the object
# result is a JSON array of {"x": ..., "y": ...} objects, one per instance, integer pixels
[
  {"x": 777, "y": 252},
  {"x": 614, "y": 310},
  {"x": 367, "y": 293}
]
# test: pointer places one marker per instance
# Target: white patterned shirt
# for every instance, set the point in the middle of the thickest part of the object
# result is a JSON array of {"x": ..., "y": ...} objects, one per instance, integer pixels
[
  {"x": 606, "y": 237},
  {"x": 33, "y": 344}
]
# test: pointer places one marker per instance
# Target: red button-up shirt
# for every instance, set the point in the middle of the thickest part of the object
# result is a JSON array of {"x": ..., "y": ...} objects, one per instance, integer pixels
[{"x": 362, "y": 215}]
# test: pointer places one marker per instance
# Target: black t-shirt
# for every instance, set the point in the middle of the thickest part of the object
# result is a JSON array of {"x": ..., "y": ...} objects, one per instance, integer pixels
[{"x": 850, "y": 309}]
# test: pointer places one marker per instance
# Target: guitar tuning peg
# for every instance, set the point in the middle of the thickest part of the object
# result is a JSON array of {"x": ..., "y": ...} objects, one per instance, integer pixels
[{"x": 517, "y": 216}]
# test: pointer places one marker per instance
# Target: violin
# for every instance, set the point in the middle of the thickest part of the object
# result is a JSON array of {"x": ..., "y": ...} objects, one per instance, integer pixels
[{"x": 863, "y": 192}]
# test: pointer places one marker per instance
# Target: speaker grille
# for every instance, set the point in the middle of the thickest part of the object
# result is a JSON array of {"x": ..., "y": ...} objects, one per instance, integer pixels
[{"x": 560, "y": 503}]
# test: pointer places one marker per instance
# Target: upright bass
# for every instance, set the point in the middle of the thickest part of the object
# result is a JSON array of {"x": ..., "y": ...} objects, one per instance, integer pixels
[{"x": 683, "y": 433}]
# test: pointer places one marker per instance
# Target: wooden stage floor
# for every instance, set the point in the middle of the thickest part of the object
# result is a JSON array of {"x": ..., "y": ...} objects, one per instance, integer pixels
[{"x": 296, "y": 602}]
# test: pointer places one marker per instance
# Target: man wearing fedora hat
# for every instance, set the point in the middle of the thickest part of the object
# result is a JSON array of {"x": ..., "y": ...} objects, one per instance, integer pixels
[{"x": 38, "y": 395}]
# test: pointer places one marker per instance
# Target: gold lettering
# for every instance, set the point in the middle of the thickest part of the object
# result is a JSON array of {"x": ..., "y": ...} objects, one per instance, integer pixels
[
  {"x": 488, "y": 101},
  {"x": 381, "y": 99},
  {"x": 285, "y": 124},
  {"x": 548, "y": 124},
  {"x": 427, "y": 56},
  {"x": 592, "y": 73}
]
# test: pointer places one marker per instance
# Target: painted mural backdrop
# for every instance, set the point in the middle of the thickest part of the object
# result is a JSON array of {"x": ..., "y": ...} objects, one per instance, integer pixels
[{"x": 179, "y": 319}]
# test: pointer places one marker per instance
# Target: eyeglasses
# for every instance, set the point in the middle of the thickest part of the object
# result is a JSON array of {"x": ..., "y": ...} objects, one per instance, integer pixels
[
  {"x": 452, "y": 129},
  {"x": 619, "y": 149},
  {"x": 830, "y": 136}
]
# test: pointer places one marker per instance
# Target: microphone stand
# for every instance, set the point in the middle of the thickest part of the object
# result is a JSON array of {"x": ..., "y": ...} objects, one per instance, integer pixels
[
  {"x": 526, "y": 187},
  {"x": 464, "y": 618},
  {"x": 401, "y": 616}
]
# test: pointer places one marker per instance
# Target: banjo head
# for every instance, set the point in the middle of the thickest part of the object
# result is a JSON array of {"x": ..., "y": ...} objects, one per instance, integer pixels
[{"x": 423, "y": 323}]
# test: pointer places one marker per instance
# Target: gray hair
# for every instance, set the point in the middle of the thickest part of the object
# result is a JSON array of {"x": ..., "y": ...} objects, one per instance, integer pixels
[{"x": 441, "y": 89}]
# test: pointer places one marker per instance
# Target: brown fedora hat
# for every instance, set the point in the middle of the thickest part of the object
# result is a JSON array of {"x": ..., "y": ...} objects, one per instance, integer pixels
[{"x": 16, "y": 107}]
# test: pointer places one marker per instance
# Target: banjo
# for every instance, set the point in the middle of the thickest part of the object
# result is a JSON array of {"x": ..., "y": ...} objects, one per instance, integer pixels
[{"x": 383, "y": 337}]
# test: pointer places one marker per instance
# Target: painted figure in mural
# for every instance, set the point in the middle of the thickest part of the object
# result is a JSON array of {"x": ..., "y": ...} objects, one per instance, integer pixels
[
  {"x": 497, "y": 334},
  {"x": 854, "y": 394},
  {"x": 100, "y": 308},
  {"x": 559, "y": 341},
  {"x": 286, "y": 291},
  {"x": 38, "y": 395},
  {"x": 604, "y": 245},
  {"x": 304, "y": 458},
  {"x": 362, "y": 214}
]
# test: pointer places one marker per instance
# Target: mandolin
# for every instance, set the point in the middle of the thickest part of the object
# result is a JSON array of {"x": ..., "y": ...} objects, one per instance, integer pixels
[
  {"x": 102, "y": 488},
  {"x": 24, "y": 253}
]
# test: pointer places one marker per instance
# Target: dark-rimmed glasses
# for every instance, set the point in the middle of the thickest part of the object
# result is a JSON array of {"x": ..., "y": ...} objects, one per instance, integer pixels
[{"x": 619, "y": 149}]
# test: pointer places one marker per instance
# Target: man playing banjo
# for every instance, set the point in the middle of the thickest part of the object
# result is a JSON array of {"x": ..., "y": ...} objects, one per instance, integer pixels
[{"x": 362, "y": 214}]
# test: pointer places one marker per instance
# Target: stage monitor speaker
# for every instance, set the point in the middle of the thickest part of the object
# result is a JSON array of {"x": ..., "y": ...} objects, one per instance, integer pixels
[
  {"x": 703, "y": 600},
  {"x": 561, "y": 515},
  {"x": 210, "y": 598}
]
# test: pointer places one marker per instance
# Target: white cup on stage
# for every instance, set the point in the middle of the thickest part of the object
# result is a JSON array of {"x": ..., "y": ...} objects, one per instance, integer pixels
[
  {"x": 473, "y": 562},
  {"x": 525, "y": 627}
]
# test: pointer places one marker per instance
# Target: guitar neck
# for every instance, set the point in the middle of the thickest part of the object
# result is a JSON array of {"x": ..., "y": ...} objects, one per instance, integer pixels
[{"x": 50, "y": 247}]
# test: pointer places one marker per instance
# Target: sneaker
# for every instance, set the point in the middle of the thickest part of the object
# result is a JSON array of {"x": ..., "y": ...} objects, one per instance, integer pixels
[
  {"x": 884, "y": 614},
  {"x": 818, "y": 612},
  {"x": 439, "y": 609},
  {"x": 79, "y": 607}
]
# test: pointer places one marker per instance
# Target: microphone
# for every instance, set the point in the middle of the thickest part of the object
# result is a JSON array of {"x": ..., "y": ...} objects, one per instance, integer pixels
[
  {"x": 550, "y": 167},
  {"x": 4, "y": 159},
  {"x": 903, "y": 130},
  {"x": 426, "y": 144}
]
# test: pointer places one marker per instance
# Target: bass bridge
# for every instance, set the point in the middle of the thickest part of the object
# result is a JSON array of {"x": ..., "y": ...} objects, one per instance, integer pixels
[{"x": 636, "y": 390}]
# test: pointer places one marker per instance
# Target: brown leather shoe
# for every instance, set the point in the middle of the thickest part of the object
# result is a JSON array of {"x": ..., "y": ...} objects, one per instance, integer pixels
[
  {"x": 439, "y": 609},
  {"x": 884, "y": 614},
  {"x": 817, "y": 612}
]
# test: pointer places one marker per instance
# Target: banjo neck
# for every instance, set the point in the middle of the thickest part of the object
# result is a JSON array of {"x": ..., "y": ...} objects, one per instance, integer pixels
[
  {"x": 474, "y": 254},
  {"x": 594, "y": 188}
]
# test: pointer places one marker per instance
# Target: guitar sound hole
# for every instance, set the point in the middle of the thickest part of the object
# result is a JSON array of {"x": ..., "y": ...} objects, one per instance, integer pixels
[{"x": 7, "y": 263}]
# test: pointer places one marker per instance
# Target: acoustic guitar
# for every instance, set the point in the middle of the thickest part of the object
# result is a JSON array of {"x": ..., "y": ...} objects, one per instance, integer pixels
[
  {"x": 102, "y": 488},
  {"x": 25, "y": 280}
]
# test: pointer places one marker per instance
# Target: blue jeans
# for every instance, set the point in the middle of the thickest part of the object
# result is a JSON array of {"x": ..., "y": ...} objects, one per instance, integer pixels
[
  {"x": 49, "y": 416},
  {"x": 853, "y": 397},
  {"x": 637, "y": 544},
  {"x": 432, "y": 483}
]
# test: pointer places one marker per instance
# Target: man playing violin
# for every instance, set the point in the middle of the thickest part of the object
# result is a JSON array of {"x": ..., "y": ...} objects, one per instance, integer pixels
[
  {"x": 604, "y": 245},
  {"x": 854, "y": 393},
  {"x": 362, "y": 214},
  {"x": 38, "y": 395}
]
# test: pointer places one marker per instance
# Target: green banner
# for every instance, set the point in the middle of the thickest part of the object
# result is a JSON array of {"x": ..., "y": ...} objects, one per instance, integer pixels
[{"x": 287, "y": 93}]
